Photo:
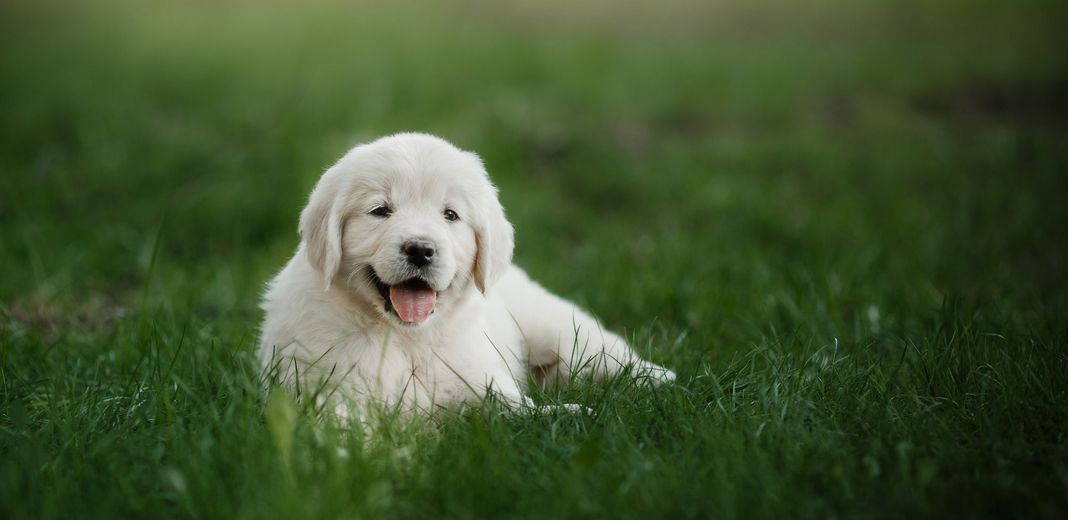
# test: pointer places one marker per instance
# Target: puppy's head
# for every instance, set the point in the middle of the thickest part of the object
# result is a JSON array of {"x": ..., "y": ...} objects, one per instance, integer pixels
[{"x": 407, "y": 223}]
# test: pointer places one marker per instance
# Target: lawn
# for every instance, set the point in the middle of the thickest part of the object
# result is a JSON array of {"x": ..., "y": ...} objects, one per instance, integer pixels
[{"x": 842, "y": 223}]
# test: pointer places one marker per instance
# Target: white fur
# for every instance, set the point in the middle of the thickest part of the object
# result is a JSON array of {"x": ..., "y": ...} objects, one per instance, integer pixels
[{"x": 327, "y": 323}]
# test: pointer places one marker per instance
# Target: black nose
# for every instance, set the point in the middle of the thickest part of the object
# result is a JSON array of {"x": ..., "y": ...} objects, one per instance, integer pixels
[{"x": 419, "y": 252}]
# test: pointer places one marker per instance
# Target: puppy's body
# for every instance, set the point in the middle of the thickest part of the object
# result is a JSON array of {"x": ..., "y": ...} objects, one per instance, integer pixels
[{"x": 402, "y": 291}]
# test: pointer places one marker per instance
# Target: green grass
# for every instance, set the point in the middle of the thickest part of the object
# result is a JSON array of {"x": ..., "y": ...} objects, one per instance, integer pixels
[{"x": 841, "y": 223}]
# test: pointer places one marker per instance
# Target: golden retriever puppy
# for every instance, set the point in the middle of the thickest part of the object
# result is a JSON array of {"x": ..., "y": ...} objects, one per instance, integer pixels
[{"x": 402, "y": 290}]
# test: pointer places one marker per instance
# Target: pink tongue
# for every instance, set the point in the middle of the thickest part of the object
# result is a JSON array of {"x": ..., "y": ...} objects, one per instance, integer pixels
[{"x": 412, "y": 305}]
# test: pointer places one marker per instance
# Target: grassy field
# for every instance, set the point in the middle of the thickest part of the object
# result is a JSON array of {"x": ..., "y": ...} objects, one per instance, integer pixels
[{"x": 842, "y": 223}]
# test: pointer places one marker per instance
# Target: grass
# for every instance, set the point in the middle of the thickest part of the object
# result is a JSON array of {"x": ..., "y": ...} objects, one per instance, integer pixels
[{"x": 840, "y": 223}]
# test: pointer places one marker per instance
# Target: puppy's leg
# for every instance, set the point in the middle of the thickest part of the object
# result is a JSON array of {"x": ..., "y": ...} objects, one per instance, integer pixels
[{"x": 563, "y": 341}]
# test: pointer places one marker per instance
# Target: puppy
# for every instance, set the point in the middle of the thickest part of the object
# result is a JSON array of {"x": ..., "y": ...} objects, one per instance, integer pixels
[{"x": 403, "y": 292}]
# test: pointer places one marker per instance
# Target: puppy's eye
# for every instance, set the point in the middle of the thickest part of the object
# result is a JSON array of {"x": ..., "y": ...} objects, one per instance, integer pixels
[
  {"x": 451, "y": 215},
  {"x": 381, "y": 211}
]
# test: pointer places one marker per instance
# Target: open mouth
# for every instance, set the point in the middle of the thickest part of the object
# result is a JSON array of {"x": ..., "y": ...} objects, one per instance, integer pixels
[{"x": 412, "y": 300}]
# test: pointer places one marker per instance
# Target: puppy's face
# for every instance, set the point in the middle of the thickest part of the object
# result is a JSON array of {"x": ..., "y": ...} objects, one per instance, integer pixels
[
  {"x": 407, "y": 224},
  {"x": 409, "y": 236}
]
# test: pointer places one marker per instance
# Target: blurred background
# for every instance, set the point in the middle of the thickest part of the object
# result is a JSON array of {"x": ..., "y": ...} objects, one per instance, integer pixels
[{"x": 677, "y": 159}]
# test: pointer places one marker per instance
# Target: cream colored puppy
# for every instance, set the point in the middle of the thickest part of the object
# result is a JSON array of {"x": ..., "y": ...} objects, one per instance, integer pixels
[{"x": 403, "y": 292}]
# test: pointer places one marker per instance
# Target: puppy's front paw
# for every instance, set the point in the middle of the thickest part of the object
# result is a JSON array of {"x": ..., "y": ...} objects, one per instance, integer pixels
[{"x": 567, "y": 408}]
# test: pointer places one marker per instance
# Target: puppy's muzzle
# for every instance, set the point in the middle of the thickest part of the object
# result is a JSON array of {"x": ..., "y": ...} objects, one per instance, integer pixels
[{"x": 418, "y": 252}]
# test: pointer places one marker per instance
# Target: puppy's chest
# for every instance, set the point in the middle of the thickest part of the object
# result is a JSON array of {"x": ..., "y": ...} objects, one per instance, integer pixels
[{"x": 439, "y": 372}]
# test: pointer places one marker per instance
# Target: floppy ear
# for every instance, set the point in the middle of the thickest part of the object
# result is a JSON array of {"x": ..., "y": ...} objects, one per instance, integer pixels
[
  {"x": 321, "y": 227},
  {"x": 494, "y": 240}
]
